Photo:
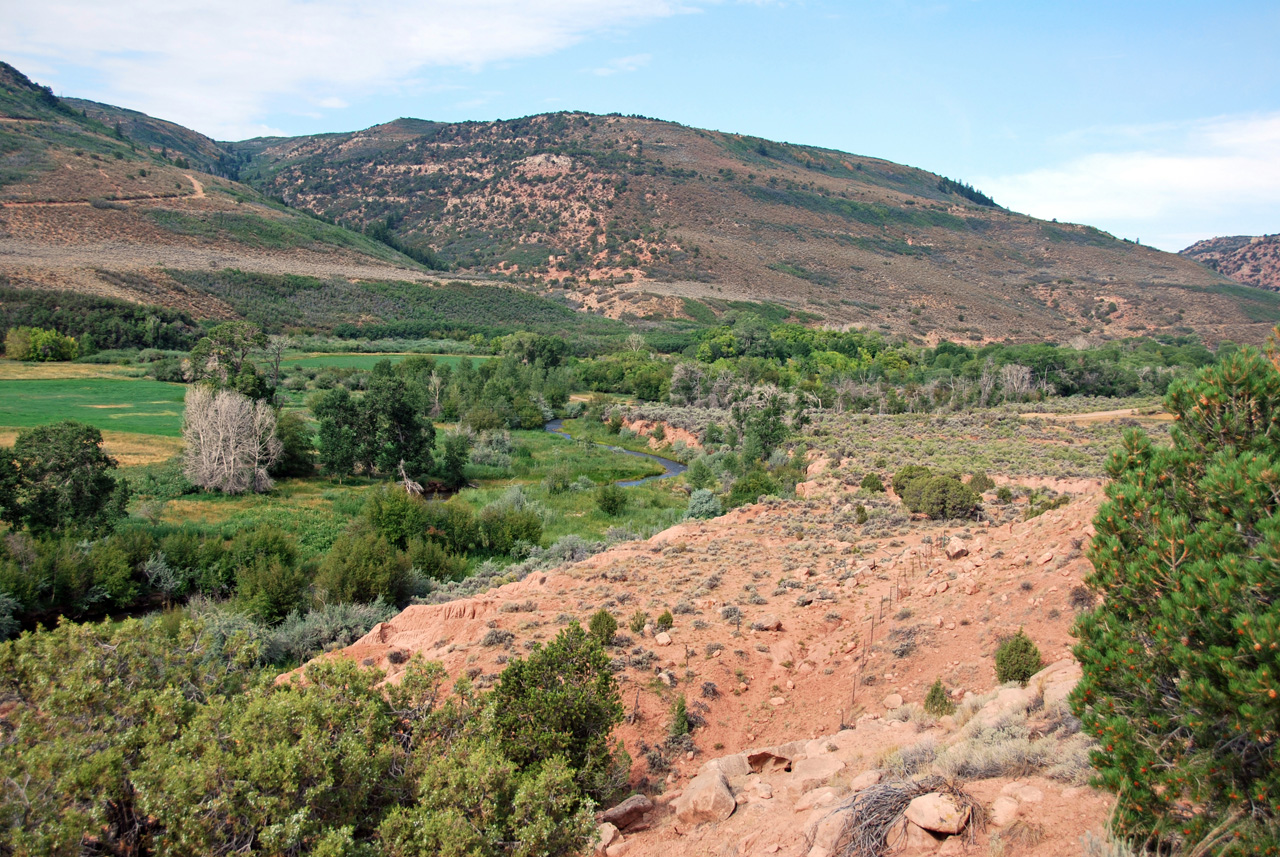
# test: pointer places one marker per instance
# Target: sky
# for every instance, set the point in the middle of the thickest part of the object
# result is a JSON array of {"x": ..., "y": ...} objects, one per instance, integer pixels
[{"x": 1156, "y": 121}]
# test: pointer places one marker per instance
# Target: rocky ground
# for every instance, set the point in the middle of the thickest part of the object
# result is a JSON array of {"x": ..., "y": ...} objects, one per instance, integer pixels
[{"x": 797, "y": 635}]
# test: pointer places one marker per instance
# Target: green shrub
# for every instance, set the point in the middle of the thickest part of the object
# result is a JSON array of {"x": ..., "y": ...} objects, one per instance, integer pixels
[
  {"x": 751, "y": 487},
  {"x": 937, "y": 702},
  {"x": 611, "y": 499},
  {"x": 945, "y": 498},
  {"x": 602, "y": 627},
  {"x": 1017, "y": 659},
  {"x": 981, "y": 482},
  {"x": 37, "y": 343},
  {"x": 679, "y": 718},
  {"x": 906, "y": 475},
  {"x": 1004, "y": 494},
  {"x": 638, "y": 620},
  {"x": 703, "y": 504},
  {"x": 664, "y": 621},
  {"x": 558, "y": 480},
  {"x": 872, "y": 483},
  {"x": 364, "y": 566}
]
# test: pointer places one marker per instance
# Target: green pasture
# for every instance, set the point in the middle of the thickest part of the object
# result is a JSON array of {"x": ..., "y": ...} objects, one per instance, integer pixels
[{"x": 133, "y": 405}]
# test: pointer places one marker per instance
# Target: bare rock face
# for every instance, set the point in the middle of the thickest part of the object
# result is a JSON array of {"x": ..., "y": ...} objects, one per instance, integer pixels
[
  {"x": 937, "y": 813},
  {"x": 864, "y": 780},
  {"x": 706, "y": 798},
  {"x": 765, "y": 761},
  {"x": 956, "y": 549},
  {"x": 808, "y": 774},
  {"x": 627, "y": 813}
]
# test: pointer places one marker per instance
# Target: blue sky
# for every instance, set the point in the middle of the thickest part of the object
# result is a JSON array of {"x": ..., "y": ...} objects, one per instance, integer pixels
[{"x": 1155, "y": 121}]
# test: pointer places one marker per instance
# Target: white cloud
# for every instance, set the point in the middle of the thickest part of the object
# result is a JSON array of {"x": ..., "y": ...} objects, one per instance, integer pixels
[
  {"x": 219, "y": 65},
  {"x": 621, "y": 65},
  {"x": 1217, "y": 176}
]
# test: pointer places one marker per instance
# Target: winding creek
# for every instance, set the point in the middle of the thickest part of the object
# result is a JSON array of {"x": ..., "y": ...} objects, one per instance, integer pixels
[{"x": 670, "y": 468}]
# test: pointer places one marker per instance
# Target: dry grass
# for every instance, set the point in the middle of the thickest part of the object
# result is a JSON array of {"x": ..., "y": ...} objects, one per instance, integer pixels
[{"x": 130, "y": 450}]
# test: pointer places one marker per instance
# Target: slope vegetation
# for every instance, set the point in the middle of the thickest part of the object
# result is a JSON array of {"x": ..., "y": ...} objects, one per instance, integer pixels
[
  {"x": 1252, "y": 260},
  {"x": 633, "y": 217}
]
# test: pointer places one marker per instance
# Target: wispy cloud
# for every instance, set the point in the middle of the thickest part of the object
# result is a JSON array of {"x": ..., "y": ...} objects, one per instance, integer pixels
[
  {"x": 622, "y": 65},
  {"x": 1168, "y": 185},
  {"x": 221, "y": 65}
]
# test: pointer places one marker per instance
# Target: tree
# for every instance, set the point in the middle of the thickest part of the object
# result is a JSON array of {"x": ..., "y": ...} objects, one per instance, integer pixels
[
  {"x": 457, "y": 451},
  {"x": 230, "y": 441},
  {"x": 339, "y": 431},
  {"x": 1182, "y": 657},
  {"x": 396, "y": 430},
  {"x": 225, "y": 357},
  {"x": 297, "y": 452},
  {"x": 56, "y": 478}
]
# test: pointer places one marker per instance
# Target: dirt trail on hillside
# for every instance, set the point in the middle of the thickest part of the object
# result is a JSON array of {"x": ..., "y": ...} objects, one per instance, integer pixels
[
  {"x": 199, "y": 194},
  {"x": 1101, "y": 416}
]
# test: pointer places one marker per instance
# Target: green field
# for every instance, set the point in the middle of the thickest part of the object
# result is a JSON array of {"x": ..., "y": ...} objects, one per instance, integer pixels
[
  {"x": 368, "y": 361},
  {"x": 133, "y": 405}
]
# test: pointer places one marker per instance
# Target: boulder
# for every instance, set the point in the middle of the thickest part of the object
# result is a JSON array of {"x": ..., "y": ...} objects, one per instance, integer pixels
[
  {"x": 1004, "y": 811},
  {"x": 937, "y": 813},
  {"x": 609, "y": 835},
  {"x": 956, "y": 549},
  {"x": 767, "y": 622},
  {"x": 730, "y": 766},
  {"x": 864, "y": 780},
  {"x": 816, "y": 799},
  {"x": 906, "y": 837},
  {"x": 706, "y": 798},
  {"x": 626, "y": 813},
  {"x": 662, "y": 638},
  {"x": 824, "y": 834},
  {"x": 892, "y": 701},
  {"x": 808, "y": 774}
]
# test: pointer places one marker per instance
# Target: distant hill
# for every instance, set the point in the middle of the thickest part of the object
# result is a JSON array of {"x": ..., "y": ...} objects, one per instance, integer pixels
[
  {"x": 1254, "y": 260},
  {"x": 635, "y": 217},
  {"x": 648, "y": 222}
]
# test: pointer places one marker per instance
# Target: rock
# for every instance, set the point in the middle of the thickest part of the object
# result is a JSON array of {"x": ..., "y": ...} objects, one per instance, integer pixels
[
  {"x": 940, "y": 587},
  {"x": 764, "y": 761},
  {"x": 730, "y": 766},
  {"x": 1046, "y": 557},
  {"x": 808, "y": 774},
  {"x": 608, "y": 836},
  {"x": 777, "y": 700},
  {"x": 937, "y": 813},
  {"x": 892, "y": 701},
  {"x": 956, "y": 549},
  {"x": 706, "y": 798},
  {"x": 627, "y": 813},
  {"x": 910, "y": 838},
  {"x": 864, "y": 780},
  {"x": 767, "y": 622},
  {"x": 667, "y": 678},
  {"x": 825, "y": 835},
  {"x": 816, "y": 799},
  {"x": 1004, "y": 811},
  {"x": 662, "y": 638},
  {"x": 617, "y": 849},
  {"x": 1022, "y": 792}
]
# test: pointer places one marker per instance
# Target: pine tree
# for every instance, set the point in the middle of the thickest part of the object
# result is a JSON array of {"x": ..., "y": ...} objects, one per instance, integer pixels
[{"x": 1182, "y": 659}]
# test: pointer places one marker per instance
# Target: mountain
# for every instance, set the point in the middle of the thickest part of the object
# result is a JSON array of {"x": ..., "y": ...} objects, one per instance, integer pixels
[
  {"x": 1253, "y": 260},
  {"x": 648, "y": 222},
  {"x": 632, "y": 217}
]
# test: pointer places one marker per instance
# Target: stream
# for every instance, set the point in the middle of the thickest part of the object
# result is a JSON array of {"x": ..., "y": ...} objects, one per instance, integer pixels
[{"x": 671, "y": 468}]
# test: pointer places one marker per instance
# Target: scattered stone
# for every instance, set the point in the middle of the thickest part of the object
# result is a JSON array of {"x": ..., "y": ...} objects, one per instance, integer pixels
[
  {"x": 864, "y": 780},
  {"x": 662, "y": 638},
  {"x": 956, "y": 549},
  {"x": 767, "y": 622},
  {"x": 937, "y": 813},
  {"x": 892, "y": 701},
  {"x": 777, "y": 700},
  {"x": 1004, "y": 811}
]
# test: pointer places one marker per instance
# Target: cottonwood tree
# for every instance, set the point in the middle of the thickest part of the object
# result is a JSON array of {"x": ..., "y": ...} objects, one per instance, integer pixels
[
  {"x": 56, "y": 477},
  {"x": 230, "y": 441}
]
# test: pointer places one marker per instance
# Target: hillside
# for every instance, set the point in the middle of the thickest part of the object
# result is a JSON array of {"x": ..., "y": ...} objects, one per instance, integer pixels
[
  {"x": 633, "y": 217},
  {"x": 104, "y": 201},
  {"x": 1253, "y": 260}
]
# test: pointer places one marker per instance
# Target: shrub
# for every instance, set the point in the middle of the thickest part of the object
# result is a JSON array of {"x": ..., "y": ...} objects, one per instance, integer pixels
[
  {"x": 364, "y": 566},
  {"x": 611, "y": 499},
  {"x": 703, "y": 504},
  {"x": 981, "y": 482},
  {"x": 602, "y": 627},
  {"x": 664, "y": 621},
  {"x": 906, "y": 475},
  {"x": 872, "y": 483},
  {"x": 638, "y": 620},
  {"x": 1017, "y": 659},
  {"x": 945, "y": 497},
  {"x": 751, "y": 487},
  {"x": 1004, "y": 494},
  {"x": 679, "y": 718},
  {"x": 937, "y": 702}
]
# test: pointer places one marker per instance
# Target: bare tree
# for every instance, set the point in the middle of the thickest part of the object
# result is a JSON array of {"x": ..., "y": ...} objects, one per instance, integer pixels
[
  {"x": 435, "y": 385},
  {"x": 986, "y": 383},
  {"x": 276, "y": 347},
  {"x": 230, "y": 441},
  {"x": 1016, "y": 380}
]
